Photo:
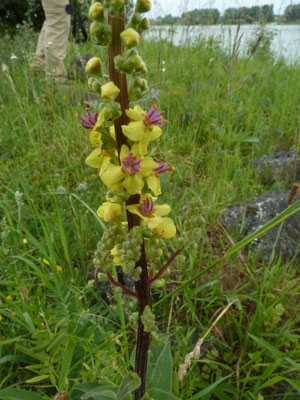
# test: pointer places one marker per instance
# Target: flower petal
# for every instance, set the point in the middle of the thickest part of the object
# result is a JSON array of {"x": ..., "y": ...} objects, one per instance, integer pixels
[
  {"x": 136, "y": 114},
  {"x": 134, "y": 130},
  {"x": 165, "y": 229},
  {"x": 133, "y": 184},
  {"x": 153, "y": 183},
  {"x": 95, "y": 159}
]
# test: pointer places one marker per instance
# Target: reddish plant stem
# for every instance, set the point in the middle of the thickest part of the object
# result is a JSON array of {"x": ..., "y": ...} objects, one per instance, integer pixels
[
  {"x": 163, "y": 269},
  {"x": 118, "y": 284},
  {"x": 142, "y": 286}
]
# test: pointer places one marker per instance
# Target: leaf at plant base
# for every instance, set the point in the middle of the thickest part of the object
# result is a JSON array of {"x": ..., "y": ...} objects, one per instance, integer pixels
[
  {"x": 15, "y": 394},
  {"x": 129, "y": 383},
  {"x": 160, "y": 368},
  {"x": 103, "y": 392},
  {"x": 158, "y": 394}
]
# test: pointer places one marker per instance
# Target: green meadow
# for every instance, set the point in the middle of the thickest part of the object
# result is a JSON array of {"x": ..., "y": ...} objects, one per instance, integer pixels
[{"x": 56, "y": 331}]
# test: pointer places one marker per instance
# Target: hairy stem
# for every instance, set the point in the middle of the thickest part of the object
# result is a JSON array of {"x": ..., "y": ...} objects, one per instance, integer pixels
[{"x": 142, "y": 286}]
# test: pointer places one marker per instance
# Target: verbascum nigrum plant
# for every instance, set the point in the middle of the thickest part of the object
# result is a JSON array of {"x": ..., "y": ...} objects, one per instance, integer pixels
[{"x": 121, "y": 137}]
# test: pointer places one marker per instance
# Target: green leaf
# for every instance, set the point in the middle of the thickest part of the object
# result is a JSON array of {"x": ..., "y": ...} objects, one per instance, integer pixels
[
  {"x": 102, "y": 393},
  {"x": 160, "y": 375},
  {"x": 15, "y": 394},
  {"x": 129, "y": 383},
  {"x": 267, "y": 346},
  {"x": 210, "y": 388},
  {"x": 67, "y": 359},
  {"x": 37, "y": 379},
  {"x": 158, "y": 394}
]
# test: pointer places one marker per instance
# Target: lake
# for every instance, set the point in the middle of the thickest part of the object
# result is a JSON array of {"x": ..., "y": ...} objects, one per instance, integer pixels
[{"x": 285, "y": 42}]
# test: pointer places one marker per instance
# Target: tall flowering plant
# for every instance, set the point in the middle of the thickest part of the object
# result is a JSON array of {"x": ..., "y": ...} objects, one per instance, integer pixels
[{"x": 121, "y": 136}]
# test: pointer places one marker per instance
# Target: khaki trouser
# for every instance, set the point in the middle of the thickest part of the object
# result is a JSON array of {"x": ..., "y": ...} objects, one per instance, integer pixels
[{"x": 53, "y": 40}]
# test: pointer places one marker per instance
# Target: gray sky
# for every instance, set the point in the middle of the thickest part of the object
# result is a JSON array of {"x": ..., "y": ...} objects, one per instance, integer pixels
[{"x": 177, "y": 7}]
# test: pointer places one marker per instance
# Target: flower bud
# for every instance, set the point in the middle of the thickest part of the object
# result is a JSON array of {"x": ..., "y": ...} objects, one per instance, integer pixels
[
  {"x": 96, "y": 12},
  {"x": 159, "y": 283},
  {"x": 109, "y": 91},
  {"x": 91, "y": 283},
  {"x": 137, "y": 63},
  {"x": 117, "y": 256},
  {"x": 111, "y": 111},
  {"x": 118, "y": 5},
  {"x": 110, "y": 212},
  {"x": 144, "y": 24},
  {"x": 143, "y": 6},
  {"x": 130, "y": 37},
  {"x": 101, "y": 33},
  {"x": 101, "y": 277},
  {"x": 93, "y": 67},
  {"x": 136, "y": 18},
  {"x": 96, "y": 87}
]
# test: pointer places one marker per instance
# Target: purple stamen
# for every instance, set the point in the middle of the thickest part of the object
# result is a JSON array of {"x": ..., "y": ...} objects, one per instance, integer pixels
[
  {"x": 147, "y": 207},
  {"x": 154, "y": 117},
  {"x": 131, "y": 165},
  {"x": 90, "y": 121},
  {"x": 162, "y": 166}
]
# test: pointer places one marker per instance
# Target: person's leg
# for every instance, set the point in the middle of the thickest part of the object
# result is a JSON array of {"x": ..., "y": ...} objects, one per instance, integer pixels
[
  {"x": 38, "y": 63},
  {"x": 56, "y": 38}
]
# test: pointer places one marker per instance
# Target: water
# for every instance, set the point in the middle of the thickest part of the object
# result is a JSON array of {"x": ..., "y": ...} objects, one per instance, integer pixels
[{"x": 285, "y": 42}]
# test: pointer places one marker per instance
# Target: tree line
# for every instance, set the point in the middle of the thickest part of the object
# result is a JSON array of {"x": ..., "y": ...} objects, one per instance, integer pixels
[{"x": 242, "y": 15}]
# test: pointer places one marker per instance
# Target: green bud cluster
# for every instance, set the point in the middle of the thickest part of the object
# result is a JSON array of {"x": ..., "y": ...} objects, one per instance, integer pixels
[
  {"x": 138, "y": 88},
  {"x": 131, "y": 253},
  {"x": 101, "y": 33},
  {"x": 148, "y": 320},
  {"x": 102, "y": 256},
  {"x": 111, "y": 110},
  {"x": 131, "y": 63}
]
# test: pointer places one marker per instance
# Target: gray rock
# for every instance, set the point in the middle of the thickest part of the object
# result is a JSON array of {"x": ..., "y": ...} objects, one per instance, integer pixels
[
  {"x": 243, "y": 219},
  {"x": 283, "y": 165}
]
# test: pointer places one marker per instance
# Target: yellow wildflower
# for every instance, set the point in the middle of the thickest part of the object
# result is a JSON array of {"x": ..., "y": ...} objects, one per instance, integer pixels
[
  {"x": 25, "y": 240},
  {"x": 144, "y": 127},
  {"x": 152, "y": 216},
  {"x": 9, "y": 298},
  {"x": 46, "y": 261},
  {"x": 59, "y": 268},
  {"x": 129, "y": 175}
]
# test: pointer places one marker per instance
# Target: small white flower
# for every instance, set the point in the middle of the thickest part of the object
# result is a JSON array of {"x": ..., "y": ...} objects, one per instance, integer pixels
[
  {"x": 163, "y": 70},
  {"x": 61, "y": 190},
  {"x": 4, "y": 68},
  {"x": 49, "y": 43},
  {"x": 13, "y": 57}
]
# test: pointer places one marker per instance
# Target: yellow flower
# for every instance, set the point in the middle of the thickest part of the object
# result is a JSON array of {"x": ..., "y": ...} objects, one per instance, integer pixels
[
  {"x": 117, "y": 257},
  {"x": 25, "y": 240},
  {"x": 152, "y": 216},
  {"x": 59, "y": 268},
  {"x": 1, "y": 317},
  {"x": 110, "y": 211},
  {"x": 109, "y": 91},
  {"x": 9, "y": 298},
  {"x": 144, "y": 127},
  {"x": 129, "y": 175},
  {"x": 46, "y": 261},
  {"x": 130, "y": 37},
  {"x": 143, "y": 6}
]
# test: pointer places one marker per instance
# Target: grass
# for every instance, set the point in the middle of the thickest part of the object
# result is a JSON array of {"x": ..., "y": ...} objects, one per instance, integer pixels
[{"x": 56, "y": 331}]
